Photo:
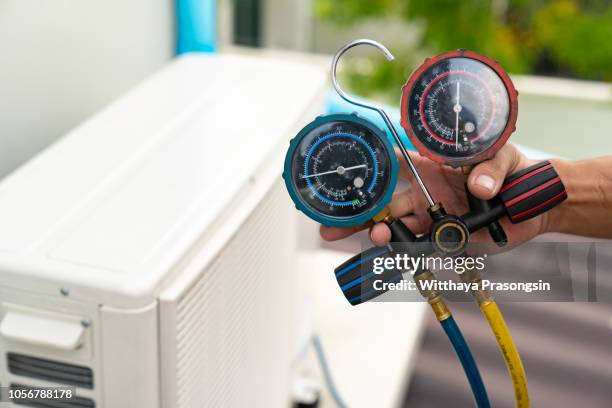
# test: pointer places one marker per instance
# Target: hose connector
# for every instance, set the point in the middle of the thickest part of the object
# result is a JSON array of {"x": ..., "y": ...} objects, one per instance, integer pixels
[
  {"x": 473, "y": 278},
  {"x": 433, "y": 296}
]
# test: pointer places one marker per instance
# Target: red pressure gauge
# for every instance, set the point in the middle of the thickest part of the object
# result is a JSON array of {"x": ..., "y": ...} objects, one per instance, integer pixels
[{"x": 459, "y": 108}]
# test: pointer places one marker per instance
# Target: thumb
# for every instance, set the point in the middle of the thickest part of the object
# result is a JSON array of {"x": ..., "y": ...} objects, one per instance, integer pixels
[{"x": 486, "y": 178}]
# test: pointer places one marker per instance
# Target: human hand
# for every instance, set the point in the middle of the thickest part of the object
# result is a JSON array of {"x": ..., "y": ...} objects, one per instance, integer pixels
[{"x": 446, "y": 185}]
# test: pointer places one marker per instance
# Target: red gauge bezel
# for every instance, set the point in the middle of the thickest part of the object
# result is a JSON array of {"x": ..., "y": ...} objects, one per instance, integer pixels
[{"x": 491, "y": 150}]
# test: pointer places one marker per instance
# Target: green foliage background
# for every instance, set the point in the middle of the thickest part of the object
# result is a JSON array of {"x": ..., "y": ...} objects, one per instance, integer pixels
[{"x": 571, "y": 38}]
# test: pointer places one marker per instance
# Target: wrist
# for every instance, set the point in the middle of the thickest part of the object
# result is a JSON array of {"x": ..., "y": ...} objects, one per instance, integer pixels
[
  {"x": 586, "y": 209},
  {"x": 588, "y": 184}
]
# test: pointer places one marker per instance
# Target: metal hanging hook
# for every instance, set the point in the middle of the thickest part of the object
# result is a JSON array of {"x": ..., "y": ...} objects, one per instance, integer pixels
[
  {"x": 334, "y": 67},
  {"x": 378, "y": 109}
]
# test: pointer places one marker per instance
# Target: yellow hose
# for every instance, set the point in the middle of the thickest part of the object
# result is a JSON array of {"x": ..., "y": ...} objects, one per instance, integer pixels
[{"x": 508, "y": 350}]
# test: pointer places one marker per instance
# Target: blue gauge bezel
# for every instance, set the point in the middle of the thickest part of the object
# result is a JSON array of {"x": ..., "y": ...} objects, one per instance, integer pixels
[{"x": 326, "y": 219}]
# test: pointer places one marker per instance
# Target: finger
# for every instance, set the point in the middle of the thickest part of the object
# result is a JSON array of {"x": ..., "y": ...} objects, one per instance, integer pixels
[
  {"x": 486, "y": 178},
  {"x": 402, "y": 203},
  {"x": 404, "y": 169},
  {"x": 417, "y": 224},
  {"x": 380, "y": 234},
  {"x": 336, "y": 233}
]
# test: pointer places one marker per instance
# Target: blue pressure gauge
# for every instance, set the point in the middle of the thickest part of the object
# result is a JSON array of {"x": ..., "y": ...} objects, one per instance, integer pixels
[{"x": 340, "y": 170}]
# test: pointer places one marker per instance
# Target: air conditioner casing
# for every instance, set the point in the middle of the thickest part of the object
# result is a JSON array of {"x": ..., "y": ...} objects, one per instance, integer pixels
[{"x": 155, "y": 244}]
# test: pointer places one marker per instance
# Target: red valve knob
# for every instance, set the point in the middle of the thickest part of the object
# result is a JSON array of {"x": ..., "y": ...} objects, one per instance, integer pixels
[{"x": 532, "y": 191}]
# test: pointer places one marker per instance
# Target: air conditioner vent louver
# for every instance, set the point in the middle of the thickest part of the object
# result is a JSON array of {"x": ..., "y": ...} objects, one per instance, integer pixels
[
  {"x": 49, "y": 370},
  {"x": 74, "y": 402}
]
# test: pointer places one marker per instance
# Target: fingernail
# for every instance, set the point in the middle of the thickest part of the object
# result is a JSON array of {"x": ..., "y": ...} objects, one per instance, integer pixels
[{"x": 485, "y": 181}]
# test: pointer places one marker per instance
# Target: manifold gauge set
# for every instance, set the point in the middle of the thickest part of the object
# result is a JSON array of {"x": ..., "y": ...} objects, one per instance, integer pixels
[{"x": 457, "y": 109}]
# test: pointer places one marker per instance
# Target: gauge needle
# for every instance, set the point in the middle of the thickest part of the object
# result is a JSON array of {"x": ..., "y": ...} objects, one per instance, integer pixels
[
  {"x": 457, "y": 109},
  {"x": 339, "y": 170}
]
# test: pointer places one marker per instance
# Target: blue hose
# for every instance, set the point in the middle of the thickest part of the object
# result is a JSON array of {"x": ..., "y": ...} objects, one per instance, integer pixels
[
  {"x": 467, "y": 361},
  {"x": 327, "y": 376}
]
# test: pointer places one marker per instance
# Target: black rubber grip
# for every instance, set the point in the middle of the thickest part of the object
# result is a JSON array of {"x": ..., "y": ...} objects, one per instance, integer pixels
[
  {"x": 356, "y": 276},
  {"x": 531, "y": 192}
]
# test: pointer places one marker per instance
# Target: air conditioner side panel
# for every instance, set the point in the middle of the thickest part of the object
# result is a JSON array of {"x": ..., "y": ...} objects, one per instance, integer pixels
[{"x": 227, "y": 339}]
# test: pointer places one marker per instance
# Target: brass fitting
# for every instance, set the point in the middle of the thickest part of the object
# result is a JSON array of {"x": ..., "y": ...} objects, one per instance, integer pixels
[
  {"x": 434, "y": 208},
  {"x": 420, "y": 279},
  {"x": 383, "y": 216},
  {"x": 434, "y": 298},
  {"x": 482, "y": 297},
  {"x": 440, "y": 309}
]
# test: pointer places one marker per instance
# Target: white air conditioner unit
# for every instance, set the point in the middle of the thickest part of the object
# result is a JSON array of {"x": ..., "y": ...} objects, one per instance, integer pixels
[{"x": 146, "y": 258}]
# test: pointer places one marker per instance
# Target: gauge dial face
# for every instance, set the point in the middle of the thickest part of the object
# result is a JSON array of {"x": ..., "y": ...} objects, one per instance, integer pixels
[
  {"x": 457, "y": 108},
  {"x": 341, "y": 170}
]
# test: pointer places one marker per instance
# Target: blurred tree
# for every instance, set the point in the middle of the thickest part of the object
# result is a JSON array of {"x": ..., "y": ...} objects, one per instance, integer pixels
[
  {"x": 551, "y": 37},
  {"x": 577, "y": 35}
]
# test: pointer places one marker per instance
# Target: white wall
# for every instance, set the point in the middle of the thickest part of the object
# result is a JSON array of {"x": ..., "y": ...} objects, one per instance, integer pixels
[
  {"x": 62, "y": 60},
  {"x": 287, "y": 24}
]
